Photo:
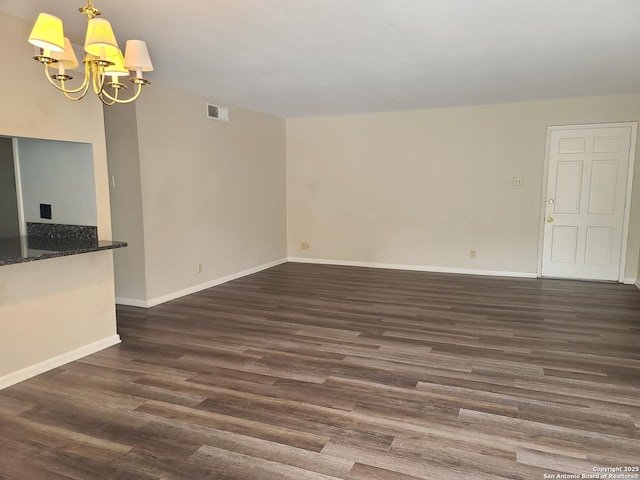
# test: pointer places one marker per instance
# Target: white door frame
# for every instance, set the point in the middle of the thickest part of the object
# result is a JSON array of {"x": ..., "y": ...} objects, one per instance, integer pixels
[
  {"x": 16, "y": 168},
  {"x": 627, "y": 197}
]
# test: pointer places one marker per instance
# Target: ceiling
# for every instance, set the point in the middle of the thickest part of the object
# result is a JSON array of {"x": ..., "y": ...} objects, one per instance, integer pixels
[{"x": 295, "y": 58}]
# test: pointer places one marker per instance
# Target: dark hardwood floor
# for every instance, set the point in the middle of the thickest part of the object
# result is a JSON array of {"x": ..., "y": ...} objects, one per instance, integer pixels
[{"x": 308, "y": 372}]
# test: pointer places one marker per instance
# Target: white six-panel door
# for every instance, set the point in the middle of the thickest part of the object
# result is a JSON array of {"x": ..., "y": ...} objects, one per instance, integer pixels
[{"x": 585, "y": 202}]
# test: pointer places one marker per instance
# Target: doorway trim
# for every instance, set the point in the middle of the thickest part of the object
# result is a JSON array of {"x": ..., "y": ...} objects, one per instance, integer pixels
[
  {"x": 627, "y": 197},
  {"x": 16, "y": 167}
]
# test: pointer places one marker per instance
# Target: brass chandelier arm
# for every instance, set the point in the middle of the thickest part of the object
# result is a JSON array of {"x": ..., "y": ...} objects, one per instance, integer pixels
[
  {"x": 75, "y": 99},
  {"x": 115, "y": 98},
  {"x": 105, "y": 102},
  {"x": 95, "y": 76},
  {"x": 98, "y": 78},
  {"x": 61, "y": 87}
]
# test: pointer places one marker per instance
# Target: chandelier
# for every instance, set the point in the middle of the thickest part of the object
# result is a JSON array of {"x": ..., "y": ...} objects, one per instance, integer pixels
[{"x": 103, "y": 58}]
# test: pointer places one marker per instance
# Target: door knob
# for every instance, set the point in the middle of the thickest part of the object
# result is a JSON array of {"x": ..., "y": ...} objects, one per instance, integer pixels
[
  {"x": 551, "y": 201},
  {"x": 549, "y": 219}
]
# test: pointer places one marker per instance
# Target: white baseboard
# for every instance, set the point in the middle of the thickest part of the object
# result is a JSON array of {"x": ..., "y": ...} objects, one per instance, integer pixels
[
  {"x": 55, "y": 362},
  {"x": 632, "y": 281},
  {"x": 218, "y": 281},
  {"x": 416, "y": 268},
  {"x": 131, "y": 302}
]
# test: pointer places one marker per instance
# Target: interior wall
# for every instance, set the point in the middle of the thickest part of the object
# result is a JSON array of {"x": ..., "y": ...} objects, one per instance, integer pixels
[
  {"x": 213, "y": 193},
  {"x": 59, "y": 174},
  {"x": 52, "y": 307},
  {"x": 121, "y": 132},
  {"x": 424, "y": 188}
]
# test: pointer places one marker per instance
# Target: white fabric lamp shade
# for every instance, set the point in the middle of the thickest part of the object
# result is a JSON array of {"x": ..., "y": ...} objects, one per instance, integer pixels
[
  {"x": 67, "y": 57},
  {"x": 48, "y": 33},
  {"x": 136, "y": 56},
  {"x": 117, "y": 69},
  {"x": 100, "y": 40}
]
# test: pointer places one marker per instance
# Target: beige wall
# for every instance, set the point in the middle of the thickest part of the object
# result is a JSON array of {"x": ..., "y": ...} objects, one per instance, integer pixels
[
  {"x": 126, "y": 200},
  {"x": 51, "y": 307},
  {"x": 423, "y": 188},
  {"x": 212, "y": 193}
]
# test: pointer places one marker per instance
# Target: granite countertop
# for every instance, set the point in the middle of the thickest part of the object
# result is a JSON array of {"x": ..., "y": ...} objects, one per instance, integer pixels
[{"x": 29, "y": 248}]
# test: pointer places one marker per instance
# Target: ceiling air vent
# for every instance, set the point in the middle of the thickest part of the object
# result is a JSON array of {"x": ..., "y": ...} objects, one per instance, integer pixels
[{"x": 217, "y": 112}]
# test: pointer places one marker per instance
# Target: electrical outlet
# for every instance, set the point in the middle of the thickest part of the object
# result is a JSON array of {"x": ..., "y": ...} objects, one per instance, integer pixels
[
  {"x": 518, "y": 181},
  {"x": 304, "y": 246},
  {"x": 199, "y": 268},
  {"x": 473, "y": 254}
]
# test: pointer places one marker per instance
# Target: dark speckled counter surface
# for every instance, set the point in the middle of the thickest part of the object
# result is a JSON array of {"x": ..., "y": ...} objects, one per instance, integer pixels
[
  {"x": 52, "y": 241},
  {"x": 11, "y": 249}
]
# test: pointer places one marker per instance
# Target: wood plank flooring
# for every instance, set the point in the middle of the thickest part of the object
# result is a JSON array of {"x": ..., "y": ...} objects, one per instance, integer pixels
[{"x": 310, "y": 372}]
